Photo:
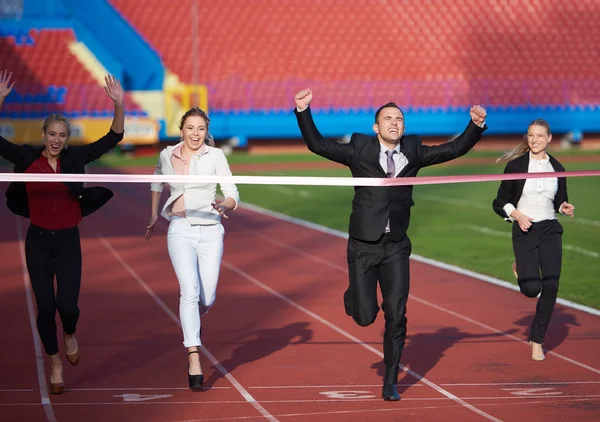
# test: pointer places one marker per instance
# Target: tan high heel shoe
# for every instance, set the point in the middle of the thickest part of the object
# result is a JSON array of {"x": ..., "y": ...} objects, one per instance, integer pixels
[
  {"x": 537, "y": 356},
  {"x": 56, "y": 387}
]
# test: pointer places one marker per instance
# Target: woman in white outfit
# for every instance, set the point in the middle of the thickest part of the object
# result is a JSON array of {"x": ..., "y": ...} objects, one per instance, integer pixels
[{"x": 195, "y": 235}]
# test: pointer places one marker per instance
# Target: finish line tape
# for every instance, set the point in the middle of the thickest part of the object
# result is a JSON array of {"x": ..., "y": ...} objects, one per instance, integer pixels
[{"x": 285, "y": 180}]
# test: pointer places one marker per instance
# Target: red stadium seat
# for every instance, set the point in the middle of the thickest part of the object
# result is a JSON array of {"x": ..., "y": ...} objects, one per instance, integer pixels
[{"x": 506, "y": 46}]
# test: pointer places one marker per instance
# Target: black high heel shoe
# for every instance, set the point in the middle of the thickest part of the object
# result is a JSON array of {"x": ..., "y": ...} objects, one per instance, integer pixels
[{"x": 195, "y": 381}]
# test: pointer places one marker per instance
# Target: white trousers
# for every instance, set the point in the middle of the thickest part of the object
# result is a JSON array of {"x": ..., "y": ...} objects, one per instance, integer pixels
[{"x": 196, "y": 253}]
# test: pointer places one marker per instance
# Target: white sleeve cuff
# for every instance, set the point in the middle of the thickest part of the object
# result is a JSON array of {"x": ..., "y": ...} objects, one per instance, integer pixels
[{"x": 508, "y": 209}]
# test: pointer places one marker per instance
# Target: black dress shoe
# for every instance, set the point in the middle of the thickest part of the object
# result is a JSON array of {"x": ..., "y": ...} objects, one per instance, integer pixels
[
  {"x": 389, "y": 393},
  {"x": 195, "y": 382}
]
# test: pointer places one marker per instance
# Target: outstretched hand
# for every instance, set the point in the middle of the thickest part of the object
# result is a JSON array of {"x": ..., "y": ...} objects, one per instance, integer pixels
[
  {"x": 5, "y": 85},
  {"x": 303, "y": 99},
  {"x": 114, "y": 90},
  {"x": 478, "y": 115}
]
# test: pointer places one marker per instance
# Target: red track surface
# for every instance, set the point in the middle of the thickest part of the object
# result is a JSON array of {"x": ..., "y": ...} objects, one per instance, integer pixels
[{"x": 279, "y": 332}]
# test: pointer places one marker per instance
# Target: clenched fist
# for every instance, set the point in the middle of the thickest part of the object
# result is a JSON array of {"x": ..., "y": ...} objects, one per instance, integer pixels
[
  {"x": 478, "y": 115},
  {"x": 303, "y": 99}
]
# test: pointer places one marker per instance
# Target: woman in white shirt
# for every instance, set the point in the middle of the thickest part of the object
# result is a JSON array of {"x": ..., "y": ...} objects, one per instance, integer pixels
[
  {"x": 195, "y": 235},
  {"x": 531, "y": 206}
]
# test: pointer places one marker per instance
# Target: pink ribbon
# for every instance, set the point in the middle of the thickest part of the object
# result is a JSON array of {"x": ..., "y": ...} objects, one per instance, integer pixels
[{"x": 285, "y": 180}]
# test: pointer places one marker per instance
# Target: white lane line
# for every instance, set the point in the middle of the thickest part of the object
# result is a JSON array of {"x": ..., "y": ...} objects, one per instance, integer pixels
[
  {"x": 39, "y": 354},
  {"x": 425, "y": 302},
  {"x": 387, "y": 410},
  {"x": 500, "y": 400},
  {"x": 430, "y": 304},
  {"x": 277, "y": 387},
  {"x": 493, "y": 384},
  {"x": 417, "y": 258},
  {"x": 245, "y": 394},
  {"x": 356, "y": 340}
]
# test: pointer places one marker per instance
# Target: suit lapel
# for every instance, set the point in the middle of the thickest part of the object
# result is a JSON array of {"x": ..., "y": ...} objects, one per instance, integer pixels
[
  {"x": 374, "y": 154},
  {"x": 522, "y": 167},
  {"x": 408, "y": 153}
]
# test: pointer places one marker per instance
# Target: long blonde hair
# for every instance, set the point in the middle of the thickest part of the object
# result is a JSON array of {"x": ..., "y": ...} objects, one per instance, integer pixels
[{"x": 523, "y": 146}]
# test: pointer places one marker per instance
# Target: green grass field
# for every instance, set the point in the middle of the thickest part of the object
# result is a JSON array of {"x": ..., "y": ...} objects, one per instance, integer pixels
[{"x": 452, "y": 223}]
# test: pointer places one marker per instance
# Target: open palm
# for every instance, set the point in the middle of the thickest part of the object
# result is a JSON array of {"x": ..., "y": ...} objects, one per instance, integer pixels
[
  {"x": 114, "y": 90},
  {"x": 5, "y": 85}
]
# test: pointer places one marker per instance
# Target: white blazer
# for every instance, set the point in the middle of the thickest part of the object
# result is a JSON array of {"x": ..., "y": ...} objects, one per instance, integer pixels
[{"x": 196, "y": 196}]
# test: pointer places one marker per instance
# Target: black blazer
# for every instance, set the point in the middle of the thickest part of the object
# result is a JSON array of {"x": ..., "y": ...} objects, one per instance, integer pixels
[
  {"x": 373, "y": 206},
  {"x": 510, "y": 191},
  {"x": 72, "y": 160}
]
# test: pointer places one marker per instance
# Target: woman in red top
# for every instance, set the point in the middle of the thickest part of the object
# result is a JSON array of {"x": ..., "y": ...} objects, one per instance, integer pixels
[{"x": 52, "y": 245}]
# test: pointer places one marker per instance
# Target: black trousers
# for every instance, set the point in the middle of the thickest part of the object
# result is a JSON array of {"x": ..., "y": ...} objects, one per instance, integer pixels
[
  {"x": 538, "y": 255},
  {"x": 54, "y": 253},
  {"x": 387, "y": 261}
]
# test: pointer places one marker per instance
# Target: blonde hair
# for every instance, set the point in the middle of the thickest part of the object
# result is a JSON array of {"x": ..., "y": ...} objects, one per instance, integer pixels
[
  {"x": 56, "y": 118},
  {"x": 523, "y": 146}
]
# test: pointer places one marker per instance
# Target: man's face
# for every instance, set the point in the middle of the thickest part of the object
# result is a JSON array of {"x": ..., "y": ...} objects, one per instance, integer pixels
[{"x": 390, "y": 125}]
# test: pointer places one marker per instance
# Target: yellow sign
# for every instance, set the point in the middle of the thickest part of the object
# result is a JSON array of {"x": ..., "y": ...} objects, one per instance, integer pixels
[
  {"x": 178, "y": 100},
  {"x": 138, "y": 130}
]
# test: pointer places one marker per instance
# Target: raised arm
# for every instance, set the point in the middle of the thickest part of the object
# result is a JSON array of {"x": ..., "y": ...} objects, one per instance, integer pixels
[
  {"x": 103, "y": 145},
  {"x": 458, "y": 147},
  {"x": 340, "y": 153},
  {"x": 8, "y": 150}
]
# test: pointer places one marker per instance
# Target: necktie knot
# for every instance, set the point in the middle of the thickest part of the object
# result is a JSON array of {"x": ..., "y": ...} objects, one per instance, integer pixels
[{"x": 390, "y": 152}]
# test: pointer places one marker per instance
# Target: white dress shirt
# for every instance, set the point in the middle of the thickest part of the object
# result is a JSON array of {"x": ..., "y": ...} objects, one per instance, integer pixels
[
  {"x": 537, "y": 199},
  {"x": 400, "y": 161},
  {"x": 197, "y": 196}
]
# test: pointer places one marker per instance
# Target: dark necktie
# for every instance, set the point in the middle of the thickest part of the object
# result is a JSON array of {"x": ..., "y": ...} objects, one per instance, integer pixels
[{"x": 391, "y": 166}]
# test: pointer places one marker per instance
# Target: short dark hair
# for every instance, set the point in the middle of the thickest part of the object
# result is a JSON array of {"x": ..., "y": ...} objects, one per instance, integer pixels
[{"x": 390, "y": 104}]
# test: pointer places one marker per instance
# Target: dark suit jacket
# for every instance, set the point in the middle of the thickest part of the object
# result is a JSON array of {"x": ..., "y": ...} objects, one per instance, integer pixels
[
  {"x": 372, "y": 206},
  {"x": 510, "y": 191},
  {"x": 72, "y": 160}
]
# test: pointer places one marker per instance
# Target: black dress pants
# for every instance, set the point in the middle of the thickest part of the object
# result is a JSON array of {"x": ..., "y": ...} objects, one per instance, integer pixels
[
  {"x": 538, "y": 255},
  {"x": 51, "y": 253},
  {"x": 386, "y": 261}
]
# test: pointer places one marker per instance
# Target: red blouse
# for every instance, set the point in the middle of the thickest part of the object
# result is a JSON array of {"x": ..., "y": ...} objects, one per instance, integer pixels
[{"x": 51, "y": 204}]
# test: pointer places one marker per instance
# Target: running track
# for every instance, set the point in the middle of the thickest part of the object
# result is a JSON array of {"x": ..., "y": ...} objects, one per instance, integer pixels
[{"x": 279, "y": 346}]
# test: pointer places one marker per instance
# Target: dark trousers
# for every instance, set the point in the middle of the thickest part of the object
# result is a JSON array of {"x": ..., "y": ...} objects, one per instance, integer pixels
[
  {"x": 54, "y": 253},
  {"x": 538, "y": 255},
  {"x": 387, "y": 261}
]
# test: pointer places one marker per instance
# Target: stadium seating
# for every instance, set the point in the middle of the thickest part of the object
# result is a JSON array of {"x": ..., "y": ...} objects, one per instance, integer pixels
[
  {"x": 50, "y": 79},
  {"x": 422, "y": 53}
]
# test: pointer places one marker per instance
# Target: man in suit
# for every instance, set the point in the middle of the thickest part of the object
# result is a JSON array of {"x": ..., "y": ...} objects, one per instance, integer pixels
[{"x": 378, "y": 246}]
